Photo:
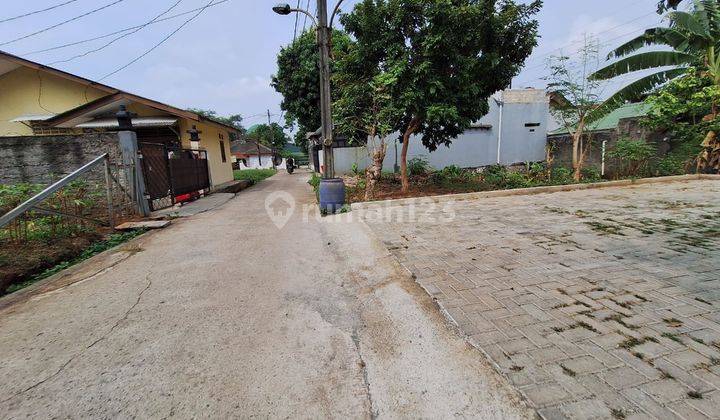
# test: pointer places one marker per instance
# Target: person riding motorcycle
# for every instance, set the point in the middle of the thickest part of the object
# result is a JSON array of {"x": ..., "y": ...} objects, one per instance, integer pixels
[{"x": 290, "y": 165}]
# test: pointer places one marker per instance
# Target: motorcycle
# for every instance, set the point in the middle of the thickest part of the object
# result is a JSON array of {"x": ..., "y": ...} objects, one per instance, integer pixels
[{"x": 290, "y": 167}]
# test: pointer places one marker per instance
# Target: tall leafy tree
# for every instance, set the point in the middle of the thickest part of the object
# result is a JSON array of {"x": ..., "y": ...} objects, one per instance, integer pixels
[
  {"x": 694, "y": 38},
  {"x": 298, "y": 81},
  {"x": 580, "y": 95},
  {"x": 665, "y": 5},
  {"x": 272, "y": 136},
  {"x": 442, "y": 59}
]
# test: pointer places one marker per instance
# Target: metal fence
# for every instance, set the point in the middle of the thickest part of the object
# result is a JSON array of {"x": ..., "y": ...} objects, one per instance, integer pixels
[{"x": 95, "y": 196}]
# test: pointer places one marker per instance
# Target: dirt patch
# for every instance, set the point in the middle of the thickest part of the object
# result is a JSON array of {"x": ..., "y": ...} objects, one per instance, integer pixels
[
  {"x": 21, "y": 261},
  {"x": 389, "y": 188}
]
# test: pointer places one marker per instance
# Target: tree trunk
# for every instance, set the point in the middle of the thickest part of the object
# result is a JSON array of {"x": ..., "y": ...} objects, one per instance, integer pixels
[
  {"x": 403, "y": 155},
  {"x": 374, "y": 171},
  {"x": 577, "y": 159}
]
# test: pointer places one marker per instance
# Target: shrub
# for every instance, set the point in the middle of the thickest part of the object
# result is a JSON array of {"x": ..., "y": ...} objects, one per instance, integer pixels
[
  {"x": 314, "y": 181},
  {"x": 498, "y": 178},
  {"x": 670, "y": 165},
  {"x": 591, "y": 174},
  {"x": 516, "y": 180},
  {"x": 633, "y": 156},
  {"x": 418, "y": 166},
  {"x": 538, "y": 172},
  {"x": 561, "y": 176},
  {"x": 450, "y": 175},
  {"x": 495, "y": 175}
]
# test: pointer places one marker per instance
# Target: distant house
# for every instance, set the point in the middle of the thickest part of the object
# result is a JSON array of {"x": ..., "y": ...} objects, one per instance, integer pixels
[
  {"x": 624, "y": 122},
  {"x": 513, "y": 131},
  {"x": 251, "y": 154}
]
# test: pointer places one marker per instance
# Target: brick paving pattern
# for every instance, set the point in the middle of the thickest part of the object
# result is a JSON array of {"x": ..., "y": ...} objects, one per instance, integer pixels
[{"x": 599, "y": 303}]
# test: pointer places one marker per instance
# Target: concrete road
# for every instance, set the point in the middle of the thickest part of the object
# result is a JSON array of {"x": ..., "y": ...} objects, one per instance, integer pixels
[{"x": 225, "y": 315}]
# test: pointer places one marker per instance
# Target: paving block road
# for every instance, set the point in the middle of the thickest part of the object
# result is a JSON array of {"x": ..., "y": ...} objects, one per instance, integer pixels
[{"x": 599, "y": 303}]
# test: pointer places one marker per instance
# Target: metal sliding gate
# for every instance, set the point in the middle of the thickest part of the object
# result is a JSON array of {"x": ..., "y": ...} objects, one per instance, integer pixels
[{"x": 173, "y": 174}]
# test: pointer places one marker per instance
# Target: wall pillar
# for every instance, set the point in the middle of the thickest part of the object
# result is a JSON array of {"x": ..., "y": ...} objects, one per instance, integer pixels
[{"x": 132, "y": 165}]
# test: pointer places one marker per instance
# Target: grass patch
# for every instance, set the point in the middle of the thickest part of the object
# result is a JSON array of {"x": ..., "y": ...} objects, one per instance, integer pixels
[
  {"x": 605, "y": 229},
  {"x": 94, "y": 249},
  {"x": 673, "y": 322},
  {"x": 632, "y": 342},
  {"x": 695, "y": 395},
  {"x": 701, "y": 300},
  {"x": 568, "y": 371},
  {"x": 673, "y": 337},
  {"x": 621, "y": 320},
  {"x": 254, "y": 175},
  {"x": 666, "y": 375},
  {"x": 617, "y": 413}
]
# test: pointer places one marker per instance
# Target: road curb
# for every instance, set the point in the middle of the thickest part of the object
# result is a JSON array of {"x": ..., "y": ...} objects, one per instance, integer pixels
[
  {"x": 46, "y": 285},
  {"x": 527, "y": 191}
]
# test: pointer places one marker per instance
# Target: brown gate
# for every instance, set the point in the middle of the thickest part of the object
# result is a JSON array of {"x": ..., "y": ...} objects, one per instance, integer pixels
[{"x": 172, "y": 173}]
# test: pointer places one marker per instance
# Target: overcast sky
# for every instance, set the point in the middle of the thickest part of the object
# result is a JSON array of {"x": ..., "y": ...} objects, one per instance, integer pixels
[{"x": 224, "y": 59}]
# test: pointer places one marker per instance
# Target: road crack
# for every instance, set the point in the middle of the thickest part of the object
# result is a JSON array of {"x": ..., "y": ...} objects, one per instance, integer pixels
[
  {"x": 366, "y": 380},
  {"x": 93, "y": 344}
]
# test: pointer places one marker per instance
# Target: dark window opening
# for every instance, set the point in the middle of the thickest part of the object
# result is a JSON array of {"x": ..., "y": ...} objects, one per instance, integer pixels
[
  {"x": 532, "y": 124},
  {"x": 222, "y": 151}
]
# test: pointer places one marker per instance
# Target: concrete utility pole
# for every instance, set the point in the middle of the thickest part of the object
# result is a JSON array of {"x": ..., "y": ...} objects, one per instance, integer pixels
[
  {"x": 272, "y": 139},
  {"x": 323, "y": 33}
]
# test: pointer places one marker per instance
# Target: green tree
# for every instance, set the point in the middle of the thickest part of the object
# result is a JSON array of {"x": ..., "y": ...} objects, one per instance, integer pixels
[
  {"x": 633, "y": 156},
  {"x": 694, "y": 37},
  {"x": 576, "y": 111},
  {"x": 272, "y": 136},
  {"x": 298, "y": 81},
  {"x": 665, "y": 5},
  {"x": 680, "y": 108},
  {"x": 443, "y": 59}
]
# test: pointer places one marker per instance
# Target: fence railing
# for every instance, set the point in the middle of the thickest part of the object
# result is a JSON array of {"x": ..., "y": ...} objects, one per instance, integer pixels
[{"x": 33, "y": 202}]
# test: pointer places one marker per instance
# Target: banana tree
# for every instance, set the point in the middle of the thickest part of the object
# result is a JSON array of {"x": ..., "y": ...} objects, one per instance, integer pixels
[{"x": 693, "y": 38}]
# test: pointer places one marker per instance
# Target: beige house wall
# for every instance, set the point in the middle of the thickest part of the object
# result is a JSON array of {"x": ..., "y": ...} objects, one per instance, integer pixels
[
  {"x": 26, "y": 91},
  {"x": 210, "y": 138}
]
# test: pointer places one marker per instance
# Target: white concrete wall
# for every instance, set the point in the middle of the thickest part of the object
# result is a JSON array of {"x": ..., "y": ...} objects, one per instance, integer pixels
[{"x": 521, "y": 139}]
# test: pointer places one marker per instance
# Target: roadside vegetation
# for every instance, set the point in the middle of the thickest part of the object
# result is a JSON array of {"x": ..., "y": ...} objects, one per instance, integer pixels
[
  {"x": 254, "y": 175},
  {"x": 426, "y": 181},
  {"x": 684, "y": 79},
  {"x": 110, "y": 241},
  {"x": 72, "y": 224}
]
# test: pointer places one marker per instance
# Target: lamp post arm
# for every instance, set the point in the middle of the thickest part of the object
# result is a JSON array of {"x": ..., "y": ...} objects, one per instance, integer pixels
[
  {"x": 335, "y": 12},
  {"x": 306, "y": 13}
]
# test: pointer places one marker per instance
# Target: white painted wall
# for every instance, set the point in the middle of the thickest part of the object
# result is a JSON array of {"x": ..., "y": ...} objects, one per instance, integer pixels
[{"x": 477, "y": 146}]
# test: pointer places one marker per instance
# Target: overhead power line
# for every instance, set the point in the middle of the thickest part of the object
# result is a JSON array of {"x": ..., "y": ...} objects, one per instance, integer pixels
[
  {"x": 47, "y": 9},
  {"x": 596, "y": 34},
  {"x": 61, "y": 23},
  {"x": 139, "y": 28},
  {"x": 84, "y": 41},
  {"x": 154, "y": 47},
  {"x": 297, "y": 19}
]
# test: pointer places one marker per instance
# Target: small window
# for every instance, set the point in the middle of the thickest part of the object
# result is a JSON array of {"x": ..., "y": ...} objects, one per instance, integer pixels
[
  {"x": 222, "y": 151},
  {"x": 532, "y": 124}
]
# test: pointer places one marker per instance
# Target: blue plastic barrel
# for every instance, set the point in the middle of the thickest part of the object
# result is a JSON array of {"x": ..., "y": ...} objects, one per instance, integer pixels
[{"x": 332, "y": 195}]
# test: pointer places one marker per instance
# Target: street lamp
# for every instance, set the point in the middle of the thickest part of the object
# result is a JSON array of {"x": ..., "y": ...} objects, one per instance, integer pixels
[
  {"x": 194, "y": 138},
  {"x": 331, "y": 189}
]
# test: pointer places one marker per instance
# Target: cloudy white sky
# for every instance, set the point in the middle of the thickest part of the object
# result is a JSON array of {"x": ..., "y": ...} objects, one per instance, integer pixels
[{"x": 224, "y": 59}]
